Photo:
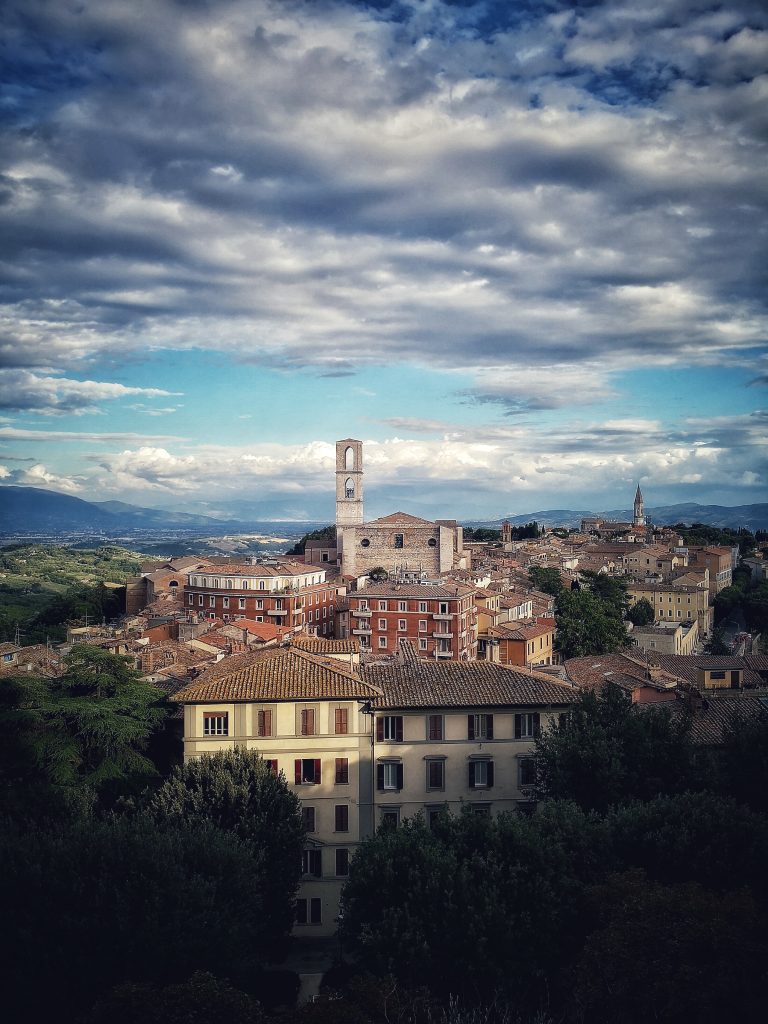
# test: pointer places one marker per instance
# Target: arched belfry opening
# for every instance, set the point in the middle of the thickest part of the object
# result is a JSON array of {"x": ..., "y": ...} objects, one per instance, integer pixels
[{"x": 349, "y": 483}]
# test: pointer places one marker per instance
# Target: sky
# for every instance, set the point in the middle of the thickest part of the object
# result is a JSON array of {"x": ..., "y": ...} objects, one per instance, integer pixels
[{"x": 517, "y": 248}]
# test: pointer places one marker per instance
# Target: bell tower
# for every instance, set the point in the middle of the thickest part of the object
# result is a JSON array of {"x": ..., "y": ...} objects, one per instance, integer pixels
[
  {"x": 639, "y": 519},
  {"x": 349, "y": 482}
]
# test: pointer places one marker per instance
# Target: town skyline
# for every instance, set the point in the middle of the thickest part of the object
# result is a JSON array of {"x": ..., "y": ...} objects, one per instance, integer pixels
[{"x": 515, "y": 249}]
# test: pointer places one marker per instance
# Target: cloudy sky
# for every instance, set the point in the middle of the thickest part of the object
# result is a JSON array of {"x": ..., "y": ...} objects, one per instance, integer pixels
[{"x": 516, "y": 246}]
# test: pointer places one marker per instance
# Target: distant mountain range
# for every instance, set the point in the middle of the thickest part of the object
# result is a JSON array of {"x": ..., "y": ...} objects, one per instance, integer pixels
[{"x": 32, "y": 509}]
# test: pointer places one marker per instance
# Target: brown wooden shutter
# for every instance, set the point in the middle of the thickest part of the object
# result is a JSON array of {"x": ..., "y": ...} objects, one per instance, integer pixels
[
  {"x": 490, "y": 774},
  {"x": 399, "y": 729},
  {"x": 272, "y": 766},
  {"x": 470, "y": 727},
  {"x": 297, "y": 771},
  {"x": 317, "y": 770},
  {"x": 341, "y": 721},
  {"x": 267, "y": 723},
  {"x": 489, "y": 726},
  {"x": 399, "y": 776},
  {"x": 471, "y": 774},
  {"x": 379, "y": 776},
  {"x": 380, "y": 730},
  {"x": 518, "y": 726}
]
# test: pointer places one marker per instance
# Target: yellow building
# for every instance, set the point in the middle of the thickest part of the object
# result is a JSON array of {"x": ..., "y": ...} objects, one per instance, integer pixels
[
  {"x": 674, "y": 603},
  {"x": 372, "y": 746}
]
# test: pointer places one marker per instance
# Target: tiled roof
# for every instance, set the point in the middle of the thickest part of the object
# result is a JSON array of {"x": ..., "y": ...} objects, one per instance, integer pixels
[
  {"x": 711, "y": 719},
  {"x": 688, "y": 666},
  {"x": 285, "y": 673},
  {"x": 407, "y": 681},
  {"x": 521, "y": 631},
  {"x": 399, "y": 519},
  {"x": 322, "y": 645},
  {"x": 595, "y": 670}
]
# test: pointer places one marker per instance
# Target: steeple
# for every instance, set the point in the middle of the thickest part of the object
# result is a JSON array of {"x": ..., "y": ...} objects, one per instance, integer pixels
[{"x": 639, "y": 516}]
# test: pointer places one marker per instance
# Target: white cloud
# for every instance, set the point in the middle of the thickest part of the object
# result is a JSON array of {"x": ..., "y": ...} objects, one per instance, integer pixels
[{"x": 25, "y": 390}]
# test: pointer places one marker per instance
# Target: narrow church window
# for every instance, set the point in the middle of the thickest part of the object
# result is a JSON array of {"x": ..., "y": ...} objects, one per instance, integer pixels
[
  {"x": 398, "y": 540},
  {"x": 349, "y": 488},
  {"x": 349, "y": 458}
]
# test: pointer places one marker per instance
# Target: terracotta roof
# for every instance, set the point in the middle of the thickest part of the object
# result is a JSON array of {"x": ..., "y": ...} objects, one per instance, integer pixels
[
  {"x": 399, "y": 519},
  {"x": 285, "y": 673},
  {"x": 521, "y": 630},
  {"x": 711, "y": 719},
  {"x": 593, "y": 671},
  {"x": 282, "y": 568},
  {"x": 322, "y": 645},
  {"x": 688, "y": 666},
  {"x": 408, "y": 681}
]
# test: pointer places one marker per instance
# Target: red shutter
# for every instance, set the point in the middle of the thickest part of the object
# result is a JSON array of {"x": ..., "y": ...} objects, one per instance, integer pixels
[
  {"x": 380, "y": 730},
  {"x": 399, "y": 729},
  {"x": 489, "y": 726},
  {"x": 490, "y": 774},
  {"x": 297, "y": 771},
  {"x": 470, "y": 727},
  {"x": 317, "y": 770}
]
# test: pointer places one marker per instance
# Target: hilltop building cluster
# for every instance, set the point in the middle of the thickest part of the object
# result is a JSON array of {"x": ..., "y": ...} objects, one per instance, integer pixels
[{"x": 404, "y": 668}]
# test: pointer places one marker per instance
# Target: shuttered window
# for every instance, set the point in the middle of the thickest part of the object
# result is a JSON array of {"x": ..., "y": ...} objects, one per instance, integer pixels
[
  {"x": 341, "y": 721},
  {"x": 306, "y": 771},
  {"x": 264, "y": 723},
  {"x": 480, "y": 727},
  {"x": 215, "y": 723},
  {"x": 389, "y": 728},
  {"x": 342, "y": 771}
]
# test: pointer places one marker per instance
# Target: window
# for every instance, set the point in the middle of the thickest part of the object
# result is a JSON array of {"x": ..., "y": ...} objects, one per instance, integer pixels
[
  {"x": 215, "y": 723},
  {"x": 342, "y": 863},
  {"x": 526, "y": 772},
  {"x": 422, "y": 644},
  {"x": 444, "y": 608},
  {"x": 401, "y": 625},
  {"x": 480, "y": 774},
  {"x": 264, "y": 723},
  {"x": 241, "y": 603},
  {"x": 200, "y": 599},
  {"x": 390, "y": 818},
  {"x": 434, "y": 727},
  {"x": 432, "y": 542},
  {"x": 389, "y": 727},
  {"x": 312, "y": 863},
  {"x": 482, "y": 810},
  {"x": 342, "y": 771},
  {"x": 422, "y": 625},
  {"x": 364, "y": 543},
  {"x": 382, "y": 641},
  {"x": 191, "y": 598},
  {"x": 308, "y": 816},
  {"x": 308, "y": 722},
  {"x": 341, "y": 721},
  {"x": 389, "y": 775},
  {"x": 225, "y": 602},
  {"x": 382, "y": 624},
  {"x": 271, "y": 763},
  {"x": 382, "y": 606},
  {"x": 341, "y": 818},
  {"x": 527, "y": 726},
  {"x": 312, "y": 907},
  {"x": 436, "y": 774},
  {"x": 260, "y": 603},
  {"x": 479, "y": 727},
  {"x": 433, "y": 815},
  {"x": 402, "y": 606},
  {"x": 422, "y": 607},
  {"x": 306, "y": 771}
]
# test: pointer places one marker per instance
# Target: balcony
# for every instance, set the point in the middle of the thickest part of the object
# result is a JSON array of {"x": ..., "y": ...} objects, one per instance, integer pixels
[
  {"x": 442, "y": 636},
  {"x": 443, "y": 654},
  {"x": 442, "y": 616},
  {"x": 362, "y": 631},
  {"x": 362, "y": 613},
  {"x": 277, "y": 611}
]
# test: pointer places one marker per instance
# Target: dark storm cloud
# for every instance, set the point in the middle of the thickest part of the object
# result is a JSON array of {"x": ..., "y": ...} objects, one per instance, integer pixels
[{"x": 470, "y": 184}]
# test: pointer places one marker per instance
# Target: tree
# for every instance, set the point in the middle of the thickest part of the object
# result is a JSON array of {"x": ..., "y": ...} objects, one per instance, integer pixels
[
  {"x": 611, "y": 590},
  {"x": 217, "y": 1000},
  {"x": 586, "y": 624},
  {"x": 98, "y": 903},
  {"x": 236, "y": 792},
  {"x": 641, "y": 613},
  {"x": 91, "y": 725},
  {"x": 378, "y": 574},
  {"x": 547, "y": 580},
  {"x": 325, "y": 533},
  {"x": 718, "y": 642},
  {"x": 608, "y": 751}
]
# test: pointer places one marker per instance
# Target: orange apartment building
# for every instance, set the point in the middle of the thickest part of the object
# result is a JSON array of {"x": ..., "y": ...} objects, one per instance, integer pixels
[
  {"x": 292, "y": 596},
  {"x": 526, "y": 644}
]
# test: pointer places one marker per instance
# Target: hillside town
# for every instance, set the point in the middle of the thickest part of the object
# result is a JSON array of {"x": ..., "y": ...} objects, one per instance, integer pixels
[{"x": 397, "y": 667}]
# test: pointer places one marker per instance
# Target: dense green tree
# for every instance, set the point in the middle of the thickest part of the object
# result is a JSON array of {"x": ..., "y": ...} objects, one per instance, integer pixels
[
  {"x": 743, "y": 761},
  {"x": 672, "y": 954},
  {"x": 586, "y": 624},
  {"x": 325, "y": 533},
  {"x": 235, "y": 791},
  {"x": 95, "y": 720},
  {"x": 547, "y": 580},
  {"x": 641, "y": 613},
  {"x": 717, "y": 643},
  {"x": 96, "y": 903},
  {"x": 203, "y": 998},
  {"x": 609, "y": 750},
  {"x": 611, "y": 590}
]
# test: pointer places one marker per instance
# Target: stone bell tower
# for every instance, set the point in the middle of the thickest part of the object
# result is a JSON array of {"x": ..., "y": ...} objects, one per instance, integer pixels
[
  {"x": 639, "y": 519},
  {"x": 349, "y": 483}
]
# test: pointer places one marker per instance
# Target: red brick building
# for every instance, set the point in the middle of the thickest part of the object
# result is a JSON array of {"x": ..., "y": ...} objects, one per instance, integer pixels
[
  {"x": 441, "y": 621},
  {"x": 292, "y": 596}
]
